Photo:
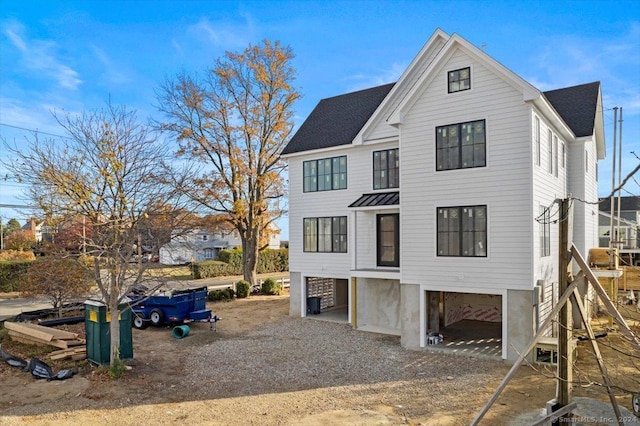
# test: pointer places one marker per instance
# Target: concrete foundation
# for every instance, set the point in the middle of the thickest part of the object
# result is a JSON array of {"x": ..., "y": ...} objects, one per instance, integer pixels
[
  {"x": 379, "y": 305},
  {"x": 295, "y": 294},
  {"x": 520, "y": 322},
  {"x": 410, "y": 316}
]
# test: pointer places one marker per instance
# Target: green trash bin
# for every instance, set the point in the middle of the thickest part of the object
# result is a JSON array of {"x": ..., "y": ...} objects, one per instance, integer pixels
[{"x": 96, "y": 323}]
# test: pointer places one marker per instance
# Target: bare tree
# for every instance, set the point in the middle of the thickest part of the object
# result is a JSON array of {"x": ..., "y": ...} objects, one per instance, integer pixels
[
  {"x": 236, "y": 120},
  {"x": 109, "y": 170}
]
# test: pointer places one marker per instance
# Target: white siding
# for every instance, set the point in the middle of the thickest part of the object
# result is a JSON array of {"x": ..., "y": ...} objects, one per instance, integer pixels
[
  {"x": 546, "y": 189},
  {"x": 503, "y": 185},
  {"x": 583, "y": 185},
  {"x": 379, "y": 128}
]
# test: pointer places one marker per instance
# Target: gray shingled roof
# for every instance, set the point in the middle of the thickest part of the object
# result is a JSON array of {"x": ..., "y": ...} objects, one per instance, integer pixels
[
  {"x": 336, "y": 121},
  {"x": 626, "y": 204},
  {"x": 577, "y": 106}
]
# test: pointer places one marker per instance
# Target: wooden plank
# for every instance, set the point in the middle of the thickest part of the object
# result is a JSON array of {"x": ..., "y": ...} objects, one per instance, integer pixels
[
  {"x": 20, "y": 338},
  {"x": 596, "y": 351},
  {"x": 15, "y": 335},
  {"x": 554, "y": 312},
  {"x": 555, "y": 415},
  {"x": 45, "y": 333},
  {"x": 611, "y": 309},
  {"x": 57, "y": 333},
  {"x": 78, "y": 351},
  {"x": 23, "y": 328}
]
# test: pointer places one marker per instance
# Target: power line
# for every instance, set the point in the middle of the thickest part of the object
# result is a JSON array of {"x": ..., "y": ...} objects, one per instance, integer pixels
[{"x": 33, "y": 131}]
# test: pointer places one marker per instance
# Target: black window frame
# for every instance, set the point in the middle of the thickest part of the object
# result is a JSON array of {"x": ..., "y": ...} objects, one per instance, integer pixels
[
  {"x": 382, "y": 173},
  {"x": 454, "y": 78},
  {"x": 550, "y": 151},
  {"x": 536, "y": 137},
  {"x": 445, "y": 145},
  {"x": 320, "y": 241},
  {"x": 544, "y": 219},
  {"x": 324, "y": 174},
  {"x": 457, "y": 232},
  {"x": 380, "y": 252}
]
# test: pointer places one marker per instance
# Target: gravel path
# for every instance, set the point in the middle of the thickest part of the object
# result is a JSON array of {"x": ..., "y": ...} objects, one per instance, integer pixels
[{"x": 350, "y": 368}]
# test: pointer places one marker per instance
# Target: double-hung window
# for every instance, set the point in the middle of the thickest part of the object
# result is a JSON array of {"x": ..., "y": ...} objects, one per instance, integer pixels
[
  {"x": 555, "y": 155},
  {"x": 386, "y": 167},
  {"x": 325, "y": 175},
  {"x": 325, "y": 234},
  {"x": 388, "y": 236},
  {"x": 462, "y": 231},
  {"x": 544, "y": 219},
  {"x": 461, "y": 146},
  {"x": 459, "y": 80},
  {"x": 550, "y": 150},
  {"x": 536, "y": 140}
]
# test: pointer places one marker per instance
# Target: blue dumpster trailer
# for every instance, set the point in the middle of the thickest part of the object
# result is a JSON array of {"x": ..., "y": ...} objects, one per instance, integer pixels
[{"x": 178, "y": 306}]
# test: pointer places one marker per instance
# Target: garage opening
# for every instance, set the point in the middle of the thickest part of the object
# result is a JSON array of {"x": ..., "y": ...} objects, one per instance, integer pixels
[
  {"x": 469, "y": 323},
  {"x": 328, "y": 298}
]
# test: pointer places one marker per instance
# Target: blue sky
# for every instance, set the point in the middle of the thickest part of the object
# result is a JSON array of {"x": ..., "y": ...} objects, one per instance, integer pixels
[{"x": 74, "y": 55}]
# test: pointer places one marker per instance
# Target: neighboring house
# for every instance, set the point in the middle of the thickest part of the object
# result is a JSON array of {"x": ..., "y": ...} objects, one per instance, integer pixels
[
  {"x": 628, "y": 231},
  {"x": 35, "y": 227},
  {"x": 203, "y": 244},
  {"x": 422, "y": 203}
]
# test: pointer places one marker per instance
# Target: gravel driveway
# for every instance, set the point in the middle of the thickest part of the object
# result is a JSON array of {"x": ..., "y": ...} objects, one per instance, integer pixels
[{"x": 368, "y": 369}]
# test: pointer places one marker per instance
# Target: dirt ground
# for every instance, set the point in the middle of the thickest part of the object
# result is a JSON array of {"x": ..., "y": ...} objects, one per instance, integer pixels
[{"x": 153, "y": 390}]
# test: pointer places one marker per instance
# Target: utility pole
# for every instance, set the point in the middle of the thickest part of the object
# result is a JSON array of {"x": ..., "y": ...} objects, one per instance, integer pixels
[
  {"x": 565, "y": 353},
  {"x": 613, "y": 186},
  {"x": 618, "y": 239}
]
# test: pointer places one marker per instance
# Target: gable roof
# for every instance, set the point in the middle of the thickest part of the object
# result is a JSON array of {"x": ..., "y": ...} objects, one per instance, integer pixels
[
  {"x": 626, "y": 204},
  {"x": 577, "y": 105},
  {"x": 339, "y": 120},
  {"x": 336, "y": 121}
]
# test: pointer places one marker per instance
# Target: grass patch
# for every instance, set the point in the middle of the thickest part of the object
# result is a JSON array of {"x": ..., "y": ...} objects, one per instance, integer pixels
[{"x": 180, "y": 273}]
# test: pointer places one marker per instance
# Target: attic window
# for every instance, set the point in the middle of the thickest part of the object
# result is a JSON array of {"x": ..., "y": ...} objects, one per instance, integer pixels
[{"x": 459, "y": 80}]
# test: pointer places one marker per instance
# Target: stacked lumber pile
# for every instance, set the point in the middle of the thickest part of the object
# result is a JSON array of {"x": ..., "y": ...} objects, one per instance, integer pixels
[
  {"x": 76, "y": 353},
  {"x": 72, "y": 346}
]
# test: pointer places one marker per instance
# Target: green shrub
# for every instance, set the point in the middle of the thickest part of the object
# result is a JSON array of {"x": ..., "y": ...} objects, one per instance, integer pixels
[
  {"x": 224, "y": 294},
  {"x": 242, "y": 289},
  {"x": 228, "y": 293},
  {"x": 11, "y": 274},
  {"x": 213, "y": 295},
  {"x": 233, "y": 258},
  {"x": 269, "y": 286},
  {"x": 211, "y": 269},
  {"x": 230, "y": 263}
]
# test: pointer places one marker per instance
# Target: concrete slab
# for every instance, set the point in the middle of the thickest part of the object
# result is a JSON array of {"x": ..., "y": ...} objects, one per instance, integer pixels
[{"x": 13, "y": 307}]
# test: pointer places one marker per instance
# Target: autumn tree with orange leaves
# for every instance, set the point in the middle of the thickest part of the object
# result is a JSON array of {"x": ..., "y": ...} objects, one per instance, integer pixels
[
  {"x": 110, "y": 170},
  {"x": 235, "y": 120}
]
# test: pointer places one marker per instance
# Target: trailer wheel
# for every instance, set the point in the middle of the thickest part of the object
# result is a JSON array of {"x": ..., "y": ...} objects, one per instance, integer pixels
[
  {"x": 139, "y": 322},
  {"x": 157, "y": 317}
]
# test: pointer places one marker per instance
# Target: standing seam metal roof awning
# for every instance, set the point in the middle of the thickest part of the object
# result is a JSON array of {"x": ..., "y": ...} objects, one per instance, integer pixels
[{"x": 377, "y": 199}]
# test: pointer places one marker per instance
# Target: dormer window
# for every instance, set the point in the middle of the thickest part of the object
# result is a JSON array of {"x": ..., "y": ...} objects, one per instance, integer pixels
[{"x": 459, "y": 80}]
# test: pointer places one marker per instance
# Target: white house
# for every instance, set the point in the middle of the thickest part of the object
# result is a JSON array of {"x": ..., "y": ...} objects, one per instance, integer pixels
[
  {"x": 628, "y": 232},
  {"x": 429, "y": 202},
  {"x": 201, "y": 244}
]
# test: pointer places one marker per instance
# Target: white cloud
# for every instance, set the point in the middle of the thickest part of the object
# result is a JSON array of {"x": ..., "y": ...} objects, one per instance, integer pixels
[
  {"x": 365, "y": 81},
  {"x": 570, "y": 60},
  {"x": 111, "y": 73},
  {"x": 221, "y": 34},
  {"x": 40, "y": 56}
]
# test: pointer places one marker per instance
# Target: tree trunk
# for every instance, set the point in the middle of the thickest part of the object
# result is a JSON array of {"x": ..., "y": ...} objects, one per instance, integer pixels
[
  {"x": 114, "y": 325},
  {"x": 250, "y": 257}
]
